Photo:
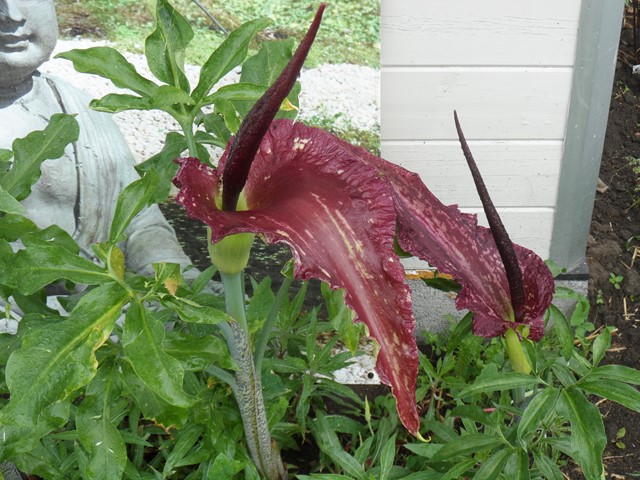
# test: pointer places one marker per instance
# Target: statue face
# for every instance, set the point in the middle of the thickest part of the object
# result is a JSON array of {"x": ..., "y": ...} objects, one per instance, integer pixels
[{"x": 28, "y": 34}]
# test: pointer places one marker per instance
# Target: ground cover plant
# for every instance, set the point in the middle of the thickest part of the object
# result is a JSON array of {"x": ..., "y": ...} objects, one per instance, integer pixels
[{"x": 155, "y": 401}]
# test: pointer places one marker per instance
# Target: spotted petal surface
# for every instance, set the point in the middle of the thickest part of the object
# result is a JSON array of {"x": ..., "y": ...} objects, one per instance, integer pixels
[
  {"x": 308, "y": 190},
  {"x": 454, "y": 243}
]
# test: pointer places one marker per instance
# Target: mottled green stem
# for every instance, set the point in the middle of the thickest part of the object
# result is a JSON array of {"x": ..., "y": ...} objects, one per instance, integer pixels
[{"x": 247, "y": 387}]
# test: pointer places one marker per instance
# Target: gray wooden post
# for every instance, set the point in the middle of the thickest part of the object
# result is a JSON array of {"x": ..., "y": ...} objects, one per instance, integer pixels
[{"x": 596, "y": 53}]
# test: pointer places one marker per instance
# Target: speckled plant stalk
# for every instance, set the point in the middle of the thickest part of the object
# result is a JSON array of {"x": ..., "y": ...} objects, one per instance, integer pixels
[
  {"x": 231, "y": 255},
  {"x": 247, "y": 387}
]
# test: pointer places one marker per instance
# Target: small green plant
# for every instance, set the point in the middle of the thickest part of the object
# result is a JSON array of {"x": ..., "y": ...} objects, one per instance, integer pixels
[
  {"x": 599, "y": 297},
  {"x": 619, "y": 436},
  {"x": 616, "y": 280}
]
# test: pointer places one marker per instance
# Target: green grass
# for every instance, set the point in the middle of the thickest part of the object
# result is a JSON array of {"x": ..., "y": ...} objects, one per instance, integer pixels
[{"x": 349, "y": 32}]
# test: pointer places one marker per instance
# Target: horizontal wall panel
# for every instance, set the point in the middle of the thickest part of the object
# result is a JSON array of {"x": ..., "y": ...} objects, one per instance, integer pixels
[
  {"x": 517, "y": 174},
  {"x": 472, "y": 32},
  {"x": 530, "y": 228},
  {"x": 522, "y": 103}
]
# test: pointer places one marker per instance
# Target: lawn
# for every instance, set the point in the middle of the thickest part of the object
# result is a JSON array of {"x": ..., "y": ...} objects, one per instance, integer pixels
[{"x": 350, "y": 32}]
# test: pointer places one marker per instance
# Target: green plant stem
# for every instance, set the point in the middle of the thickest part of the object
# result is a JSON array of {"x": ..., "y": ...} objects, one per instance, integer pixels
[
  {"x": 247, "y": 387},
  {"x": 187, "y": 129},
  {"x": 234, "y": 297},
  {"x": 221, "y": 374},
  {"x": 515, "y": 351},
  {"x": 270, "y": 322}
]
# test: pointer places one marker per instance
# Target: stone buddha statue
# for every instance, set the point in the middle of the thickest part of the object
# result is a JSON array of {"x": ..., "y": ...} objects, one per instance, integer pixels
[{"x": 78, "y": 192}]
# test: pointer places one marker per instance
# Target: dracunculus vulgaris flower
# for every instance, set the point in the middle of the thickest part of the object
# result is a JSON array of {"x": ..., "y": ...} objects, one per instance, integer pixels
[{"x": 339, "y": 208}]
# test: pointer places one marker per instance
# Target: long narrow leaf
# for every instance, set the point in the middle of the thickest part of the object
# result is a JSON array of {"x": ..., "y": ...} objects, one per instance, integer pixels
[
  {"x": 166, "y": 45},
  {"x": 227, "y": 56},
  {"x": 131, "y": 201},
  {"x": 540, "y": 407},
  {"x": 42, "y": 264},
  {"x": 620, "y": 373},
  {"x": 498, "y": 382},
  {"x": 108, "y": 63},
  {"x": 494, "y": 465},
  {"x": 467, "y": 444},
  {"x": 588, "y": 437},
  {"x": 562, "y": 330},
  {"x": 616, "y": 391}
]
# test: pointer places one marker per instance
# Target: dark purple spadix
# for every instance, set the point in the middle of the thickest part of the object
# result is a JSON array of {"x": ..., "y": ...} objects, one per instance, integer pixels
[
  {"x": 500, "y": 235},
  {"x": 256, "y": 123}
]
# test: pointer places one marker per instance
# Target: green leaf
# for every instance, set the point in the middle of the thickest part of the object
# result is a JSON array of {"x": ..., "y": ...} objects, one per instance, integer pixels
[
  {"x": 41, "y": 264},
  {"x": 562, "y": 330},
  {"x": 494, "y": 465},
  {"x": 616, "y": 391},
  {"x": 427, "y": 450},
  {"x": 13, "y": 227},
  {"x": 541, "y": 405},
  {"x": 142, "y": 338},
  {"x": 108, "y": 63},
  {"x": 99, "y": 436},
  {"x": 151, "y": 405},
  {"x": 57, "y": 359},
  {"x": 214, "y": 124},
  {"x": 467, "y": 444},
  {"x": 131, "y": 201},
  {"x": 5, "y": 157},
  {"x": 499, "y": 382},
  {"x": 35, "y": 148},
  {"x": 620, "y": 373},
  {"x": 224, "y": 467},
  {"x": 330, "y": 446},
  {"x": 197, "y": 353},
  {"x": 341, "y": 318},
  {"x": 193, "y": 312},
  {"x": 242, "y": 91},
  {"x": 458, "y": 471},
  {"x": 548, "y": 468},
  {"x": 588, "y": 437},
  {"x": 264, "y": 68},
  {"x": 474, "y": 413},
  {"x": 203, "y": 279},
  {"x": 600, "y": 346},
  {"x": 185, "y": 441},
  {"x": 8, "y": 204},
  {"x": 174, "y": 145},
  {"x": 165, "y": 47},
  {"x": 520, "y": 459},
  {"x": 229, "y": 114},
  {"x": 165, "y": 99},
  {"x": 460, "y": 332},
  {"x": 227, "y": 56},
  {"x": 387, "y": 456}
]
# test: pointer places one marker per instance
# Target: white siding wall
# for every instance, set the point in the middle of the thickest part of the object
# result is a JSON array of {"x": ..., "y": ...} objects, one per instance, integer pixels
[{"x": 506, "y": 66}]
